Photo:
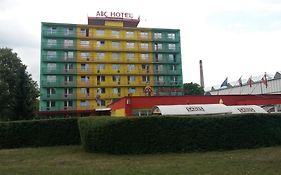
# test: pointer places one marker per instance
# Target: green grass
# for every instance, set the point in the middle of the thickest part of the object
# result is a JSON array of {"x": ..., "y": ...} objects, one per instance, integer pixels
[{"x": 72, "y": 160}]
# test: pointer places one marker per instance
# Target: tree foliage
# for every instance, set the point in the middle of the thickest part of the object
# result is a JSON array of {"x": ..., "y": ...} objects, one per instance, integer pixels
[
  {"x": 192, "y": 89},
  {"x": 18, "y": 92}
]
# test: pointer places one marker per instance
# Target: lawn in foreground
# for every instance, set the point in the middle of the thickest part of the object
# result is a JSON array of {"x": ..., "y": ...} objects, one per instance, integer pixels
[{"x": 72, "y": 160}]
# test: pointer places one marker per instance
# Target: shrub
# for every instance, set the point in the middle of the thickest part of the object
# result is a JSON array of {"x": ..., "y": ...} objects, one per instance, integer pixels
[
  {"x": 179, "y": 134},
  {"x": 33, "y": 133}
]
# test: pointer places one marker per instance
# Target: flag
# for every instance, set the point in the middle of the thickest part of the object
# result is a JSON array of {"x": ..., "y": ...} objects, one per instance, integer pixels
[
  {"x": 240, "y": 81},
  {"x": 250, "y": 81},
  {"x": 224, "y": 83},
  {"x": 264, "y": 80}
]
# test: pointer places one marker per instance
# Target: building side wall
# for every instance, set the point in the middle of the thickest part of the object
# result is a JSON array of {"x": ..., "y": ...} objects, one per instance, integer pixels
[{"x": 85, "y": 67}]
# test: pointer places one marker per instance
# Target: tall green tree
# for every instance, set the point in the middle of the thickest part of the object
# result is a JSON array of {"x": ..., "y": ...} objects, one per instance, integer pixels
[
  {"x": 18, "y": 91},
  {"x": 192, "y": 89}
]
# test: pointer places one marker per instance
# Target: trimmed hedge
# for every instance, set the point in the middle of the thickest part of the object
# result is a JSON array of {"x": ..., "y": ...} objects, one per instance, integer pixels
[
  {"x": 34, "y": 133},
  {"x": 179, "y": 134}
]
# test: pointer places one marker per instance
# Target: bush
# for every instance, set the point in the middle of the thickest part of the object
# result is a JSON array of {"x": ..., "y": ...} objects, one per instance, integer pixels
[
  {"x": 35, "y": 133},
  {"x": 179, "y": 134}
]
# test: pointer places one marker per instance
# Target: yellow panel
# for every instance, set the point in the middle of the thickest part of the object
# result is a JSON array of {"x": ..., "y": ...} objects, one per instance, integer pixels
[
  {"x": 118, "y": 113},
  {"x": 114, "y": 23}
]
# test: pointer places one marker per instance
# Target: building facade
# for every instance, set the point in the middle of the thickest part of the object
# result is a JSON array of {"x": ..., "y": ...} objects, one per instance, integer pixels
[{"x": 85, "y": 67}]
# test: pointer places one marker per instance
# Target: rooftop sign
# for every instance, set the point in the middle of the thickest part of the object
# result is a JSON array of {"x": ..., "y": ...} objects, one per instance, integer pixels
[{"x": 107, "y": 14}]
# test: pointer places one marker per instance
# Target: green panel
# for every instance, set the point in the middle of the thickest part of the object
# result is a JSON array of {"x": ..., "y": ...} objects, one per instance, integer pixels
[
  {"x": 59, "y": 94},
  {"x": 60, "y": 82},
  {"x": 58, "y": 45},
  {"x": 55, "y": 30},
  {"x": 59, "y": 106},
  {"x": 60, "y": 56},
  {"x": 60, "y": 68}
]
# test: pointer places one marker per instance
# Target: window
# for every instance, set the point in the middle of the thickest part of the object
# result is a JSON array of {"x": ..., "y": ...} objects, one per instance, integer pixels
[
  {"x": 52, "y": 30},
  {"x": 116, "y": 78},
  {"x": 130, "y": 67},
  {"x": 84, "y": 32},
  {"x": 116, "y": 90},
  {"x": 116, "y": 55},
  {"x": 100, "y": 66},
  {"x": 160, "y": 79},
  {"x": 51, "y": 91},
  {"x": 158, "y": 57},
  {"x": 68, "y": 67},
  {"x": 84, "y": 43},
  {"x": 68, "y": 55},
  {"x": 144, "y": 56},
  {"x": 145, "y": 78},
  {"x": 116, "y": 67},
  {"x": 50, "y": 104},
  {"x": 100, "y": 102},
  {"x": 84, "y": 67},
  {"x": 68, "y": 91},
  {"x": 101, "y": 91},
  {"x": 51, "y": 78},
  {"x": 144, "y": 34},
  {"x": 100, "y": 78},
  {"x": 144, "y": 45},
  {"x": 68, "y": 43},
  {"x": 99, "y": 32},
  {"x": 157, "y": 35},
  {"x": 172, "y": 57},
  {"x": 130, "y": 56},
  {"x": 85, "y": 91},
  {"x": 173, "y": 67},
  {"x": 159, "y": 68},
  {"x": 100, "y": 43},
  {"x": 129, "y": 34},
  {"x": 115, "y": 33},
  {"x": 84, "y": 103},
  {"x": 158, "y": 46},
  {"x": 51, "y": 66},
  {"x": 85, "y": 79},
  {"x": 68, "y": 79},
  {"x": 172, "y": 36},
  {"x": 145, "y": 67},
  {"x": 131, "y": 78},
  {"x": 51, "y": 54},
  {"x": 131, "y": 90},
  {"x": 51, "y": 42},
  {"x": 172, "y": 46},
  {"x": 174, "y": 79},
  {"x": 85, "y": 55},
  {"x": 115, "y": 44},
  {"x": 68, "y": 103},
  {"x": 130, "y": 45},
  {"x": 100, "y": 55},
  {"x": 68, "y": 31}
]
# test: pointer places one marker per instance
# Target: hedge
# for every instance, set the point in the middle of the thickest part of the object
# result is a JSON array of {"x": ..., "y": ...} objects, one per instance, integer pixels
[
  {"x": 179, "y": 134},
  {"x": 34, "y": 133}
]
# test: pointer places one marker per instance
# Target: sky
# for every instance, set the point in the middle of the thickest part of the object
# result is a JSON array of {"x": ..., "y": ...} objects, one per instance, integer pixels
[{"x": 233, "y": 38}]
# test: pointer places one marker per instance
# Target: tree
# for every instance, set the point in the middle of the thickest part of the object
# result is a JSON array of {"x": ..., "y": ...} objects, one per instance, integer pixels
[
  {"x": 192, "y": 89},
  {"x": 18, "y": 91}
]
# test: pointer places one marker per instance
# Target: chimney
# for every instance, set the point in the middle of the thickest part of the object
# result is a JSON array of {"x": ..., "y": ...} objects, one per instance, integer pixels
[{"x": 201, "y": 74}]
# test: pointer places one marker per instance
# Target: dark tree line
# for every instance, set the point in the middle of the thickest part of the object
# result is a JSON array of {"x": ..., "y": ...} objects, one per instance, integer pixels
[
  {"x": 192, "y": 89},
  {"x": 18, "y": 92}
]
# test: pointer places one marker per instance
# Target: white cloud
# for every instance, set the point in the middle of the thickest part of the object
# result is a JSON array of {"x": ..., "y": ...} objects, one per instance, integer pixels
[{"x": 207, "y": 33}]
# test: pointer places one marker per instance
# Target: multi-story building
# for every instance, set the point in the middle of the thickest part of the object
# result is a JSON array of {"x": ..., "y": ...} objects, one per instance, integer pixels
[{"x": 85, "y": 67}]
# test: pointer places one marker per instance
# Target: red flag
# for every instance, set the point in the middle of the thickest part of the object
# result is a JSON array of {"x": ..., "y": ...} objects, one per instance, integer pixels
[
  {"x": 250, "y": 81},
  {"x": 264, "y": 80},
  {"x": 240, "y": 81}
]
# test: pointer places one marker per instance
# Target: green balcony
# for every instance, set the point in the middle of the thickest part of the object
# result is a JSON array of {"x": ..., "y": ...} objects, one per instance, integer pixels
[{"x": 63, "y": 71}]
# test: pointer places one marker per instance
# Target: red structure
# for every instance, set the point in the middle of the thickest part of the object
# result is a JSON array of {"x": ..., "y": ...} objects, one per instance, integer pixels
[{"x": 141, "y": 105}]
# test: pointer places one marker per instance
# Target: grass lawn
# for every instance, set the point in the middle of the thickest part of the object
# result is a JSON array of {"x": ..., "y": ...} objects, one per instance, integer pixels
[{"x": 72, "y": 160}]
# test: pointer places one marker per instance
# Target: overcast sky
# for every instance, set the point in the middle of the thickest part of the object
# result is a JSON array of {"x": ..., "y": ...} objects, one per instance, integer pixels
[{"x": 233, "y": 37}]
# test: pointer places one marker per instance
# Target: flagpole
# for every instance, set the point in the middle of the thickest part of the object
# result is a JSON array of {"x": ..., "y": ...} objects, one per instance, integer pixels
[{"x": 261, "y": 88}]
